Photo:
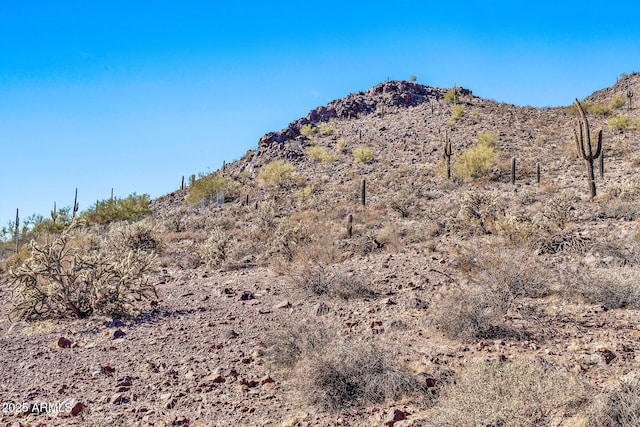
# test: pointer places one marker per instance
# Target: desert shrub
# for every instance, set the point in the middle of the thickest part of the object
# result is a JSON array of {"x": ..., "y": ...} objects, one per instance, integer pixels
[
  {"x": 341, "y": 145},
  {"x": 506, "y": 394},
  {"x": 288, "y": 346},
  {"x": 346, "y": 374},
  {"x": 362, "y": 154},
  {"x": 619, "y": 122},
  {"x": 325, "y": 129},
  {"x": 478, "y": 211},
  {"x": 497, "y": 277},
  {"x": 174, "y": 220},
  {"x": 320, "y": 279},
  {"x": 69, "y": 277},
  {"x": 308, "y": 130},
  {"x": 287, "y": 238},
  {"x": 470, "y": 313},
  {"x": 280, "y": 173},
  {"x": 558, "y": 210},
  {"x": 610, "y": 287},
  {"x": 478, "y": 160},
  {"x": 456, "y": 113},
  {"x": 402, "y": 202},
  {"x": 213, "y": 187},
  {"x": 214, "y": 250},
  {"x": 617, "y": 102},
  {"x": 592, "y": 108},
  {"x": 619, "y": 407},
  {"x": 451, "y": 95},
  {"x": 140, "y": 235},
  {"x": 319, "y": 154},
  {"x": 130, "y": 208}
]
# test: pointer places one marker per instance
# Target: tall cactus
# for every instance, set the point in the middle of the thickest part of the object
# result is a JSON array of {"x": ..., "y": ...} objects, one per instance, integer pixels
[
  {"x": 75, "y": 206},
  {"x": 629, "y": 95},
  {"x": 446, "y": 154},
  {"x": 582, "y": 139},
  {"x": 54, "y": 213}
]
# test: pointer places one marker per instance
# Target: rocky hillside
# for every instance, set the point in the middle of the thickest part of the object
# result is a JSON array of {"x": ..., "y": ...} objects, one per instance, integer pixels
[{"x": 337, "y": 275}]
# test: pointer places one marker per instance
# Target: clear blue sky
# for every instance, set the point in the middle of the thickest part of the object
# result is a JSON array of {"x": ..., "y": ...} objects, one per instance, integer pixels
[{"x": 132, "y": 95}]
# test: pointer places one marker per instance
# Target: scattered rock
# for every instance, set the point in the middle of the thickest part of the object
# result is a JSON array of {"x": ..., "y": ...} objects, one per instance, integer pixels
[
  {"x": 64, "y": 342},
  {"x": 393, "y": 416},
  {"x": 608, "y": 355},
  {"x": 118, "y": 334},
  {"x": 283, "y": 304},
  {"x": 246, "y": 296}
]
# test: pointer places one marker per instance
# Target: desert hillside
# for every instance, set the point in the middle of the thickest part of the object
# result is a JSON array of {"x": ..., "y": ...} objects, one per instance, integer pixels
[{"x": 406, "y": 256}]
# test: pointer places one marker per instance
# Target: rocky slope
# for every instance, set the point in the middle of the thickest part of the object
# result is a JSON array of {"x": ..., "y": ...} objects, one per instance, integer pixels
[{"x": 209, "y": 350}]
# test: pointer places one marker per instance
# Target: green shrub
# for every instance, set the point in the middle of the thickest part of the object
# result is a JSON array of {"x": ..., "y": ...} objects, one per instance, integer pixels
[
  {"x": 477, "y": 160},
  {"x": 593, "y": 108},
  {"x": 71, "y": 276},
  {"x": 362, "y": 154},
  {"x": 456, "y": 113},
  {"x": 325, "y": 129},
  {"x": 131, "y": 208},
  {"x": 308, "y": 130},
  {"x": 341, "y": 145},
  {"x": 617, "y": 102},
  {"x": 211, "y": 187},
  {"x": 319, "y": 154},
  {"x": 280, "y": 173},
  {"x": 451, "y": 95},
  {"x": 619, "y": 122}
]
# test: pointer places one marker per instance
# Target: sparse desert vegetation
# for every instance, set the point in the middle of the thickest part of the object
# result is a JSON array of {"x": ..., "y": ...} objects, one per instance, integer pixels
[{"x": 343, "y": 277}]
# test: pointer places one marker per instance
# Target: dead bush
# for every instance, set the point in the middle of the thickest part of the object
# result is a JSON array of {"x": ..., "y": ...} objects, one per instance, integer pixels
[
  {"x": 507, "y": 394},
  {"x": 558, "y": 210},
  {"x": 288, "y": 346},
  {"x": 469, "y": 313},
  {"x": 321, "y": 279},
  {"x": 68, "y": 277},
  {"x": 610, "y": 287},
  {"x": 477, "y": 212},
  {"x": 497, "y": 278},
  {"x": 348, "y": 374},
  {"x": 619, "y": 407}
]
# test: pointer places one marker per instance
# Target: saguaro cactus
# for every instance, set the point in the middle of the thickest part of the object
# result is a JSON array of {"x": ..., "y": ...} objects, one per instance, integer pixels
[
  {"x": 513, "y": 170},
  {"x": 446, "y": 154},
  {"x": 629, "y": 95},
  {"x": 350, "y": 225},
  {"x": 583, "y": 141},
  {"x": 17, "y": 229},
  {"x": 75, "y": 205},
  {"x": 363, "y": 193},
  {"x": 54, "y": 213}
]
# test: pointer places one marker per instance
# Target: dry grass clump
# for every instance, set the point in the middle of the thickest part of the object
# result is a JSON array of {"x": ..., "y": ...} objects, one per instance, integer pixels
[
  {"x": 506, "y": 394},
  {"x": 611, "y": 287},
  {"x": 620, "y": 407},
  {"x": 72, "y": 276},
  {"x": 347, "y": 373}
]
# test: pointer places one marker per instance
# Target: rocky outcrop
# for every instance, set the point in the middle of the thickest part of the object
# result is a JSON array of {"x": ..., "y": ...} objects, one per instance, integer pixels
[{"x": 397, "y": 93}]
